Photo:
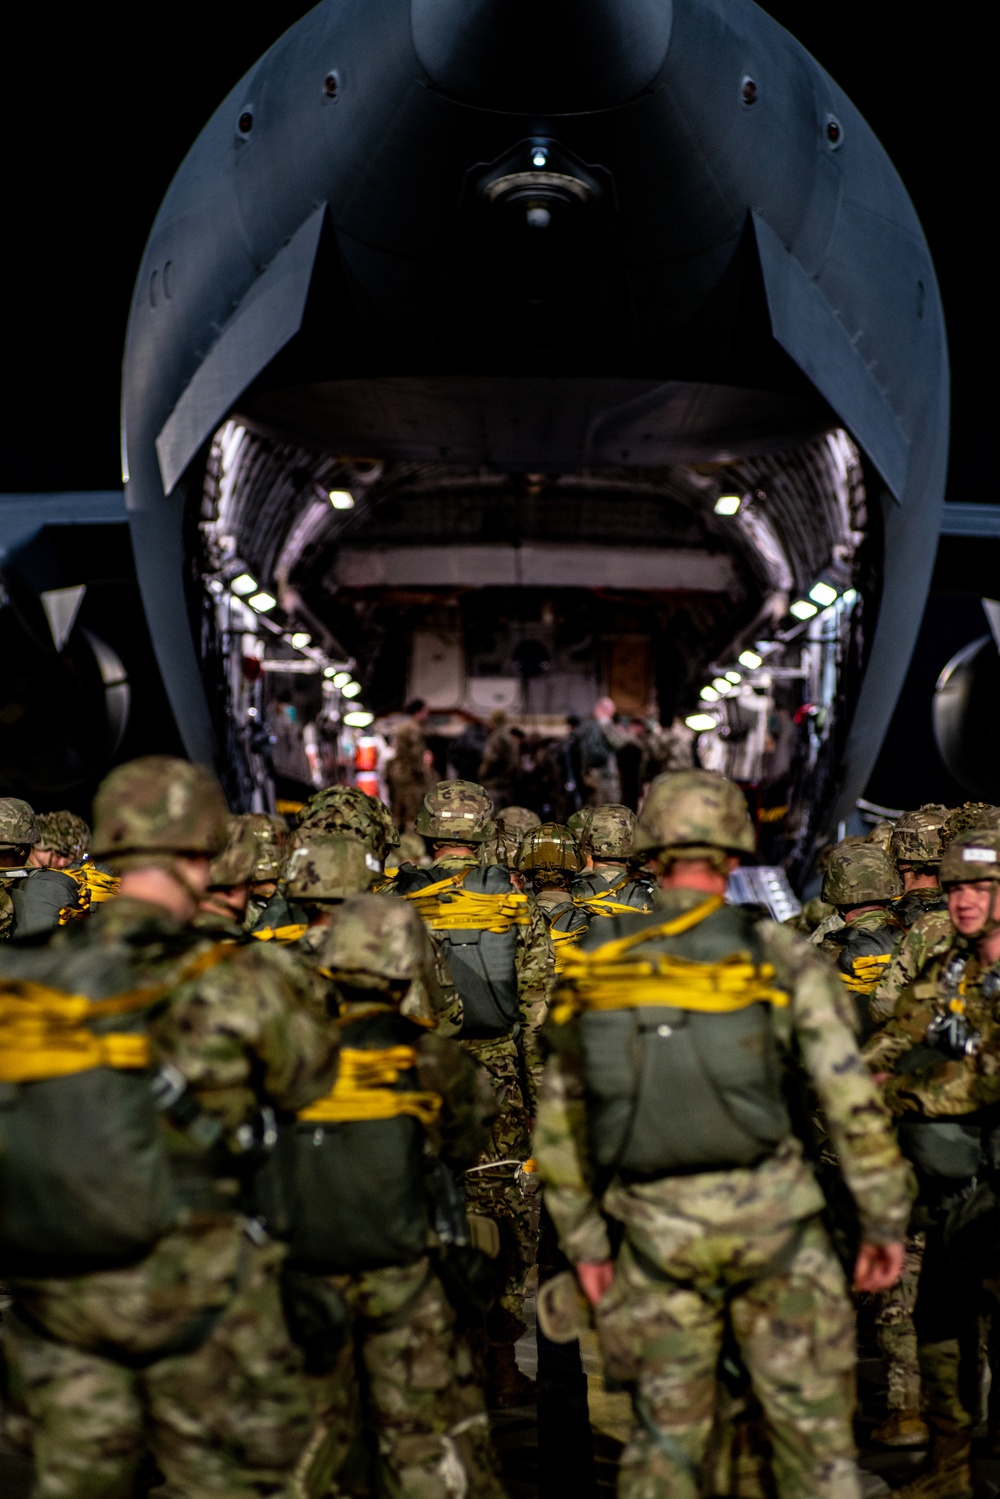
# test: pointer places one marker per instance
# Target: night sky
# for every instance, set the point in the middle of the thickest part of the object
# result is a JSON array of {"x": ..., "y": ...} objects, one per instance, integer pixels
[{"x": 98, "y": 115}]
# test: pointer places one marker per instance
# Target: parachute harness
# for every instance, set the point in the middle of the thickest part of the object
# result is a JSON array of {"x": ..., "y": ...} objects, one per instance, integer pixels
[
  {"x": 446, "y": 906},
  {"x": 365, "y": 1089}
]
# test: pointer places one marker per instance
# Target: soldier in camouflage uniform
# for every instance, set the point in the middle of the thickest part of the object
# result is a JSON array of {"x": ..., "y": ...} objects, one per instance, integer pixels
[
  {"x": 717, "y": 1212},
  {"x": 223, "y": 907},
  {"x": 881, "y": 835},
  {"x": 18, "y": 835},
  {"x": 345, "y": 810},
  {"x": 63, "y": 839},
  {"x": 404, "y": 1097},
  {"x": 521, "y": 819},
  {"x": 502, "y": 964},
  {"x": 271, "y": 834},
  {"x": 549, "y": 859},
  {"x": 606, "y": 841},
  {"x": 502, "y": 845},
  {"x": 185, "y": 1351},
  {"x": 861, "y": 881},
  {"x": 915, "y": 848},
  {"x": 410, "y": 773},
  {"x": 36, "y": 895},
  {"x": 939, "y": 1059}
]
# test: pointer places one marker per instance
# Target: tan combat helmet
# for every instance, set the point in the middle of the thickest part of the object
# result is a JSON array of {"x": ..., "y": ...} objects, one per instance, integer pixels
[
  {"x": 860, "y": 874},
  {"x": 916, "y": 838},
  {"x": 520, "y": 819},
  {"x": 961, "y": 820},
  {"x": 158, "y": 807},
  {"x": 455, "y": 812},
  {"x": 18, "y": 823},
  {"x": 237, "y": 862},
  {"x": 63, "y": 833},
  {"x": 881, "y": 834},
  {"x": 271, "y": 835},
  {"x": 550, "y": 849},
  {"x": 412, "y": 849},
  {"x": 347, "y": 810},
  {"x": 973, "y": 857},
  {"x": 694, "y": 814},
  {"x": 329, "y": 867},
  {"x": 379, "y": 947},
  {"x": 501, "y": 845},
  {"x": 577, "y": 821},
  {"x": 608, "y": 832}
]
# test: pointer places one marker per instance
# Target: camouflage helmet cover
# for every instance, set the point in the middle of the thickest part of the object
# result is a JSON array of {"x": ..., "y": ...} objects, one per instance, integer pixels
[
  {"x": 349, "y": 810},
  {"x": 974, "y": 856},
  {"x": 329, "y": 867},
  {"x": 501, "y": 845},
  {"x": 270, "y": 835},
  {"x": 521, "y": 819},
  {"x": 412, "y": 848},
  {"x": 18, "y": 824},
  {"x": 693, "y": 809},
  {"x": 608, "y": 832},
  {"x": 159, "y": 805},
  {"x": 238, "y": 860},
  {"x": 578, "y": 821},
  {"x": 916, "y": 838},
  {"x": 455, "y": 812},
  {"x": 881, "y": 834},
  {"x": 550, "y": 846},
  {"x": 371, "y": 938},
  {"x": 858, "y": 874},
  {"x": 970, "y": 815},
  {"x": 63, "y": 833}
]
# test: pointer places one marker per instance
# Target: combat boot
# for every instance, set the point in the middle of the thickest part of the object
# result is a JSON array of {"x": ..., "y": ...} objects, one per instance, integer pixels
[
  {"x": 948, "y": 1475},
  {"x": 902, "y": 1429}
]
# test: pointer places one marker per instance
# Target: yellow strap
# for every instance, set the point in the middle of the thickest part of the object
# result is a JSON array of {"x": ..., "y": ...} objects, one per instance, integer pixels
[
  {"x": 364, "y": 1090},
  {"x": 290, "y": 933},
  {"x": 610, "y": 952},
  {"x": 468, "y": 910},
  {"x": 868, "y": 971},
  {"x": 603, "y": 905},
  {"x": 45, "y": 1032}
]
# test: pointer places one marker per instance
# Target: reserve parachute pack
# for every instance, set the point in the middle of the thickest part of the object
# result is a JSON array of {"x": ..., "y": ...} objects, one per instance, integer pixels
[
  {"x": 85, "y": 1177},
  {"x": 681, "y": 1060},
  {"x": 475, "y": 915},
  {"x": 350, "y": 1170}
]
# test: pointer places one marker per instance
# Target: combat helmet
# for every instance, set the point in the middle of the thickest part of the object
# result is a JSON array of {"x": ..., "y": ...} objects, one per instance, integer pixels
[
  {"x": 974, "y": 856},
  {"x": 577, "y": 821},
  {"x": 550, "y": 849},
  {"x": 916, "y": 838},
  {"x": 347, "y": 810},
  {"x": 18, "y": 823},
  {"x": 455, "y": 812},
  {"x": 159, "y": 806},
  {"x": 608, "y": 832},
  {"x": 329, "y": 867},
  {"x": 961, "y": 820},
  {"x": 881, "y": 834},
  {"x": 270, "y": 834},
  {"x": 860, "y": 874},
  {"x": 520, "y": 819},
  {"x": 63, "y": 833},
  {"x": 501, "y": 845},
  {"x": 373, "y": 944},
  {"x": 238, "y": 860},
  {"x": 694, "y": 814}
]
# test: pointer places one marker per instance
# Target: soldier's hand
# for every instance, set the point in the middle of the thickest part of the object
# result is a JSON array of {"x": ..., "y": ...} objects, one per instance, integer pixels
[
  {"x": 878, "y": 1266},
  {"x": 595, "y": 1277}
]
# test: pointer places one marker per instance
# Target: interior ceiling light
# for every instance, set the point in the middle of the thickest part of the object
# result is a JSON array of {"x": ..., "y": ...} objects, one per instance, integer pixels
[
  {"x": 244, "y": 584},
  {"x": 728, "y": 504},
  {"x": 301, "y": 638},
  {"x": 358, "y": 719},
  {"x": 851, "y": 596},
  {"x": 331, "y": 671},
  {"x": 802, "y": 609},
  {"x": 734, "y": 677},
  {"x": 700, "y": 722},
  {"x": 823, "y": 594},
  {"x": 262, "y": 601},
  {"x": 709, "y": 695},
  {"x": 351, "y": 689},
  {"x": 340, "y": 678},
  {"x": 341, "y": 499},
  {"x": 720, "y": 684},
  {"x": 750, "y": 660}
]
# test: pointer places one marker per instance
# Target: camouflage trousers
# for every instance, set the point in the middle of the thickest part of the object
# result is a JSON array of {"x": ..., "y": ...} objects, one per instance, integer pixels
[
  {"x": 422, "y": 1409},
  {"x": 229, "y": 1419},
  {"x": 783, "y": 1300},
  {"x": 497, "y": 1186},
  {"x": 896, "y": 1334}
]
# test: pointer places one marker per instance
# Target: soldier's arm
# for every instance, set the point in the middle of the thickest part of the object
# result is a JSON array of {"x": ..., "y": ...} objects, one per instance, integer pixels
[
  {"x": 536, "y": 971},
  {"x": 956, "y": 1086},
  {"x": 906, "y": 1029},
  {"x": 856, "y": 1119},
  {"x": 929, "y": 936},
  {"x": 560, "y": 1150},
  {"x": 468, "y": 1104}
]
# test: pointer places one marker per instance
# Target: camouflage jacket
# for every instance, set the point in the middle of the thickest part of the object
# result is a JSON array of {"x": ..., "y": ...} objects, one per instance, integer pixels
[
  {"x": 928, "y": 937},
  {"x": 6, "y": 911},
  {"x": 610, "y": 883},
  {"x": 535, "y": 963},
  {"x": 917, "y": 903},
  {"x": 862, "y": 950},
  {"x": 813, "y": 913},
  {"x": 816, "y": 1030},
  {"x": 933, "y": 1077},
  {"x": 407, "y": 765},
  {"x": 832, "y": 923}
]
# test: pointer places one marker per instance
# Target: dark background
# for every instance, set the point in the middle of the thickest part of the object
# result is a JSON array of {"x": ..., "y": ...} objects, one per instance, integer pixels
[{"x": 100, "y": 107}]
